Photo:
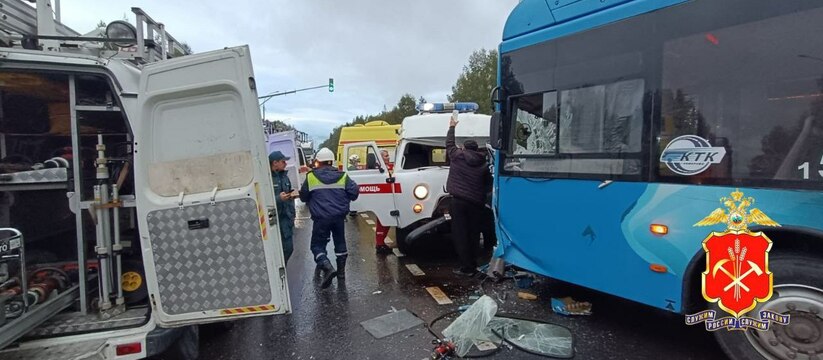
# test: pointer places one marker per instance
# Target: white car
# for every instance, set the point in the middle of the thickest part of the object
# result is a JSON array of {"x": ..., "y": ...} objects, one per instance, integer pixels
[{"x": 411, "y": 193}]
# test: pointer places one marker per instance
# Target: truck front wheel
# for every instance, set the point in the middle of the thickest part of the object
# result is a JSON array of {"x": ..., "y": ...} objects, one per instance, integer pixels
[
  {"x": 798, "y": 292},
  {"x": 401, "y": 234}
]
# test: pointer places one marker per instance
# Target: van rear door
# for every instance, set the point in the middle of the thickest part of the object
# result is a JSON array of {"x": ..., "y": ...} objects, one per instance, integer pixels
[{"x": 203, "y": 189}]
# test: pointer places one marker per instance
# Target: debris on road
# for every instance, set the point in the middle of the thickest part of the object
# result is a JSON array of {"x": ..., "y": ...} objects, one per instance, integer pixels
[
  {"x": 524, "y": 281},
  {"x": 526, "y": 296},
  {"x": 378, "y": 292},
  {"x": 415, "y": 270},
  {"x": 439, "y": 295},
  {"x": 469, "y": 327},
  {"x": 485, "y": 345},
  {"x": 391, "y": 324},
  {"x": 568, "y": 306}
]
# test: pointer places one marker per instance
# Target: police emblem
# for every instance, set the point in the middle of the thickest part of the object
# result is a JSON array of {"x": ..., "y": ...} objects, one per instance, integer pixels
[{"x": 737, "y": 274}]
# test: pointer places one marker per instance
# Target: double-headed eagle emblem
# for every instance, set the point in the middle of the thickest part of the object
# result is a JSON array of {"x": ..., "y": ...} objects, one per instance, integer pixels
[{"x": 739, "y": 216}]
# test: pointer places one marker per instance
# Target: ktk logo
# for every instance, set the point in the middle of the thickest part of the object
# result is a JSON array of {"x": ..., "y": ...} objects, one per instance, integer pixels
[{"x": 691, "y": 155}]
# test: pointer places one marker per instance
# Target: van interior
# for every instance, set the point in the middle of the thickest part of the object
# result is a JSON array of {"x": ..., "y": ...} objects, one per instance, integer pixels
[{"x": 65, "y": 145}]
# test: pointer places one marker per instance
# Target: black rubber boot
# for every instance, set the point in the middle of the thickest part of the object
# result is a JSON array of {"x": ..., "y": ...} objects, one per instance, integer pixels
[
  {"x": 341, "y": 267},
  {"x": 328, "y": 273}
]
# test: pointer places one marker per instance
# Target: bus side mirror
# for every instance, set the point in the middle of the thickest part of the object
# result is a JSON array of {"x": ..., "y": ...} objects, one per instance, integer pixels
[{"x": 496, "y": 131}]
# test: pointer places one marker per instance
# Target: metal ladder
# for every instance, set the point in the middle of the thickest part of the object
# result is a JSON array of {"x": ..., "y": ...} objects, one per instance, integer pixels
[{"x": 38, "y": 27}]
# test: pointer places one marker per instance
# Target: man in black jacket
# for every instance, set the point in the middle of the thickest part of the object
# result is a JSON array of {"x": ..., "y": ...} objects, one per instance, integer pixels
[{"x": 467, "y": 182}]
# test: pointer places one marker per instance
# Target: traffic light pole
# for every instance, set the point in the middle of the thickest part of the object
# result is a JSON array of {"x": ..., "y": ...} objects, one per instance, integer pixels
[{"x": 268, "y": 97}]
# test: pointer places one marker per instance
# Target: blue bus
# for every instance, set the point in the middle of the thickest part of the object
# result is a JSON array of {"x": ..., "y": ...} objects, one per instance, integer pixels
[{"x": 595, "y": 96}]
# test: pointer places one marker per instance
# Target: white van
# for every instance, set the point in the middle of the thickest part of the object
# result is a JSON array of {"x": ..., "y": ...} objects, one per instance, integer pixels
[
  {"x": 286, "y": 142},
  {"x": 134, "y": 192},
  {"x": 412, "y": 196}
]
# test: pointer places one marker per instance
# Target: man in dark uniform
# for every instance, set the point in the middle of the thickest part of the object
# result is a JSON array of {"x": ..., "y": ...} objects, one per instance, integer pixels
[
  {"x": 284, "y": 195},
  {"x": 328, "y": 193},
  {"x": 467, "y": 183}
]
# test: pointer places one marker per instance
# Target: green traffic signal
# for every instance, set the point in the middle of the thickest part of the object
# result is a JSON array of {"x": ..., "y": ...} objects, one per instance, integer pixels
[{"x": 331, "y": 85}]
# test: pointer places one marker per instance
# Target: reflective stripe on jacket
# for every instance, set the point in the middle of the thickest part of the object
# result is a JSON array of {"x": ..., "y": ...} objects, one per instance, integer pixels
[
  {"x": 316, "y": 184},
  {"x": 328, "y": 193}
]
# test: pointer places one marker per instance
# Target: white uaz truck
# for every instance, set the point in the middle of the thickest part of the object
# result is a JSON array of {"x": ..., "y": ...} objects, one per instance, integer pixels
[{"x": 411, "y": 193}]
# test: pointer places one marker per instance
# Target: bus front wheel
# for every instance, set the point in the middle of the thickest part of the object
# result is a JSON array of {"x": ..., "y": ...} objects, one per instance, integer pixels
[{"x": 798, "y": 292}]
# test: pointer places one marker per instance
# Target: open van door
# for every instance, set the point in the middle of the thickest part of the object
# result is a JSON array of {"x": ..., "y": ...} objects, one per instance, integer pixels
[
  {"x": 371, "y": 175},
  {"x": 203, "y": 188}
]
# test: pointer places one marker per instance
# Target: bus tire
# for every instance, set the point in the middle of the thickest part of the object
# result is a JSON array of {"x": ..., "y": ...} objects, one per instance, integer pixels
[{"x": 798, "y": 283}]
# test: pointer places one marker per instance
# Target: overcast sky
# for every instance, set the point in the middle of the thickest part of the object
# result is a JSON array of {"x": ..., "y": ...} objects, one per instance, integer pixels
[{"x": 375, "y": 50}]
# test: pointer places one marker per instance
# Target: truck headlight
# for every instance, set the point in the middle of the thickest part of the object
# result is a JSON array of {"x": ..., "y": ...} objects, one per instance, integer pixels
[
  {"x": 421, "y": 191},
  {"x": 120, "y": 29}
]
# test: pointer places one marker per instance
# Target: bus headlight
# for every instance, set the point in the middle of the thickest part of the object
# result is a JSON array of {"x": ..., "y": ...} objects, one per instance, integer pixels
[{"x": 421, "y": 191}]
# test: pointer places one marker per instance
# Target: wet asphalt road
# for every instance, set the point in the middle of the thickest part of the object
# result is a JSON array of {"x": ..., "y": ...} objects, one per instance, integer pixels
[{"x": 325, "y": 324}]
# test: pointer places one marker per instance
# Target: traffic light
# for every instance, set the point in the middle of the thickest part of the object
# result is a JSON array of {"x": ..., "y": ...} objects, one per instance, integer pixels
[{"x": 331, "y": 85}]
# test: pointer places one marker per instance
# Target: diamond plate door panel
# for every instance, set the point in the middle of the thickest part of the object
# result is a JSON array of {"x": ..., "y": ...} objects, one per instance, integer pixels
[
  {"x": 35, "y": 176},
  {"x": 74, "y": 323},
  {"x": 209, "y": 257},
  {"x": 86, "y": 350}
]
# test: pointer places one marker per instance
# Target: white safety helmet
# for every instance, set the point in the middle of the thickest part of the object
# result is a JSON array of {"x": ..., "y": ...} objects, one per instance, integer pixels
[
  {"x": 354, "y": 158},
  {"x": 324, "y": 155}
]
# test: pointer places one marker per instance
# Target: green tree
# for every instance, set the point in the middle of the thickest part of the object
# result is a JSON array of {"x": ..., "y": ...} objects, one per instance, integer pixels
[
  {"x": 186, "y": 48},
  {"x": 273, "y": 126},
  {"x": 477, "y": 80}
]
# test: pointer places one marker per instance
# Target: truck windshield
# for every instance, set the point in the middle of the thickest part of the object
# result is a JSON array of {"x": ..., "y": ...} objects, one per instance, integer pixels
[{"x": 419, "y": 155}]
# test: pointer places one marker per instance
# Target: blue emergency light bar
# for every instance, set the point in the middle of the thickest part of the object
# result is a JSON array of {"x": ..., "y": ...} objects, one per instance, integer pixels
[{"x": 447, "y": 107}]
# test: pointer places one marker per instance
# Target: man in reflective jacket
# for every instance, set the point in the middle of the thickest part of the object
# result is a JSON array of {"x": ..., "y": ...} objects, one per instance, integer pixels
[{"x": 328, "y": 193}]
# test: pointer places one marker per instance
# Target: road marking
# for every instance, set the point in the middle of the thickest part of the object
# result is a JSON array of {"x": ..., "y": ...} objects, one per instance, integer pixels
[
  {"x": 370, "y": 222},
  {"x": 364, "y": 215},
  {"x": 439, "y": 295},
  {"x": 415, "y": 270}
]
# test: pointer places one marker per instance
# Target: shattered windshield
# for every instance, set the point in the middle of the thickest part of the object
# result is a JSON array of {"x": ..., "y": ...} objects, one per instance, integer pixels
[
  {"x": 542, "y": 338},
  {"x": 535, "y": 126}
]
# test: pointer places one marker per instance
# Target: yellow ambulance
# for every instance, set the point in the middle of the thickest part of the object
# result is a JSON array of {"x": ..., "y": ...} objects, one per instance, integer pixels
[{"x": 381, "y": 132}]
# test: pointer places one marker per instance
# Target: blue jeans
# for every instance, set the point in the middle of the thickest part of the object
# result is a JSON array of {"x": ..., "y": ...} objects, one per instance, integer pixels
[{"x": 321, "y": 229}]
